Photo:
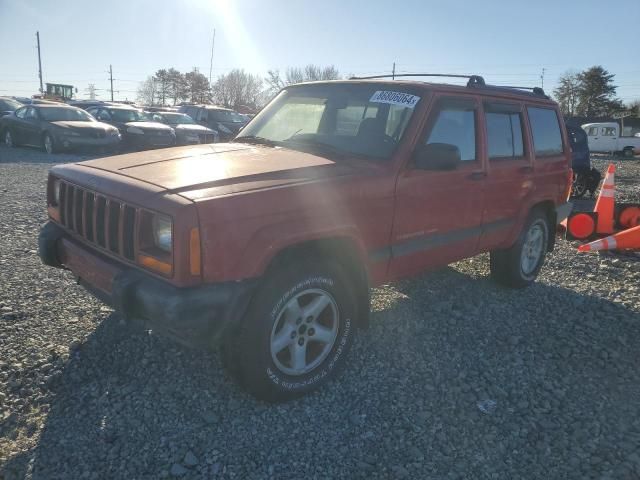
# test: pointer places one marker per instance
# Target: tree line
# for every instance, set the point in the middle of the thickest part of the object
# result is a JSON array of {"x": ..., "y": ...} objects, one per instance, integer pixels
[
  {"x": 236, "y": 89},
  {"x": 590, "y": 93}
]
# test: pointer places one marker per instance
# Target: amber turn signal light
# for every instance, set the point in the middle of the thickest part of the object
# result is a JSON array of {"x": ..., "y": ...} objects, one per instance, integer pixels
[{"x": 155, "y": 264}]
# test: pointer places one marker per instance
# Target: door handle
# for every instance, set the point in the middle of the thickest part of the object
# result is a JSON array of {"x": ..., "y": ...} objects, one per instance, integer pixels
[
  {"x": 477, "y": 175},
  {"x": 526, "y": 169}
]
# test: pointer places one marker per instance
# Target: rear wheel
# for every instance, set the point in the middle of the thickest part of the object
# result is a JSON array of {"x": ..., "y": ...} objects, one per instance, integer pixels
[
  {"x": 48, "y": 144},
  {"x": 297, "y": 332},
  {"x": 627, "y": 153},
  {"x": 519, "y": 265}
]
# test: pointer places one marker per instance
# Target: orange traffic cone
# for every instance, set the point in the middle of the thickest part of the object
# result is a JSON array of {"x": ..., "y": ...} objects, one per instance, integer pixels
[
  {"x": 605, "y": 205},
  {"x": 627, "y": 239}
]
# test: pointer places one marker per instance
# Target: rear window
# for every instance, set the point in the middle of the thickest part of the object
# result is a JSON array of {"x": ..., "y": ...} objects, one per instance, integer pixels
[{"x": 545, "y": 128}]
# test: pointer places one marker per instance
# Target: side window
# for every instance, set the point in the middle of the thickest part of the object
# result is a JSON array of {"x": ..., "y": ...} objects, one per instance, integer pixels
[
  {"x": 202, "y": 115},
  {"x": 455, "y": 124},
  {"x": 608, "y": 131},
  {"x": 593, "y": 131},
  {"x": 545, "y": 128},
  {"x": 504, "y": 132},
  {"x": 20, "y": 112},
  {"x": 30, "y": 114}
]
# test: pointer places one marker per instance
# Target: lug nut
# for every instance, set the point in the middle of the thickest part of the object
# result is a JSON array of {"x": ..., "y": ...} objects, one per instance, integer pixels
[
  {"x": 311, "y": 331},
  {"x": 301, "y": 341}
]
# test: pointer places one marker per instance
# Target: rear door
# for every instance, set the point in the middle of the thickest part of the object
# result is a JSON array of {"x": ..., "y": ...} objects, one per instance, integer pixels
[
  {"x": 509, "y": 173},
  {"x": 438, "y": 217}
]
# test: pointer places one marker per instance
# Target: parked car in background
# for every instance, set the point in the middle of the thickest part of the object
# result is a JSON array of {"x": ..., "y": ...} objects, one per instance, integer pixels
[
  {"x": 223, "y": 120},
  {"x": 585, "y": 178},
  {"x": 270, "y": 245},
  {"x": 161, "y": 109},
  {"x": 187, "y": 131},
  {"x": 56, "y": 127},
  {"x": 8, "y": 105},
  {"x": 605, "y": 137},
  {"x": 138, "y": 132},
  {"x": 85, "y": 104}
]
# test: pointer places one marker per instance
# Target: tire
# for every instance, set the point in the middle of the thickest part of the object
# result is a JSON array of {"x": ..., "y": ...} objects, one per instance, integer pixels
[
  {"x": 8, "y": 139},
  {"x": 579, "y": 186},
  {"x": 628, "y": 153},
  {"x": 276, "y": 354},
  {"x": 518, "y": 266},
  {"x": 48, "y": 144}
]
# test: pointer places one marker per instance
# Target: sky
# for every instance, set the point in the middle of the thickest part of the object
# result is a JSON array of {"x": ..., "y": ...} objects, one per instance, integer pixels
[{"x": 507, "y": 42}]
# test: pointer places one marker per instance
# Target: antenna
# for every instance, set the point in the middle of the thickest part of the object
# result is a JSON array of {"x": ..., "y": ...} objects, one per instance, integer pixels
[{"x": 542, "y": 78}]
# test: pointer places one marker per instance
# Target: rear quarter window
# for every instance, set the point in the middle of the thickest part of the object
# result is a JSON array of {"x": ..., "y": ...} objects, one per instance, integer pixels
[{"x": 545, "y": 130}]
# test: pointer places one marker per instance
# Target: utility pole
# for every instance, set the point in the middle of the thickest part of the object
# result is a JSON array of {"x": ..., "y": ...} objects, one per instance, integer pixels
[
  {"x": 542, "y": 77},
  {"x": 213, "y": 42},
  {"x": 393, "y": 72},
  {"x": 111, "y": 80},
  {"x": 39, "y": 63}
]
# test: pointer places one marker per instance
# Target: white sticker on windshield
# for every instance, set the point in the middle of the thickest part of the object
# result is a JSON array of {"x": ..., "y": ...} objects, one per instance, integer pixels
[{"x": 395, "y": 98}]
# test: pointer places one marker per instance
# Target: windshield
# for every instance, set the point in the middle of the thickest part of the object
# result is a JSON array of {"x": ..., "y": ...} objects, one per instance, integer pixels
[
  {"x": 367, "y": 120},
  {"x": 65, "y": 114},
  {"x": 124, "y": 116},
  {"x": 176, "y": 119},
  {"x": 7, "y": 104},
  {"x": 226, "y": 116}
]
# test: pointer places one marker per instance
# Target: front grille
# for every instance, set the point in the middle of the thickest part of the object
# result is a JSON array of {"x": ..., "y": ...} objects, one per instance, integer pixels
[{"x": 102, "y": 221}]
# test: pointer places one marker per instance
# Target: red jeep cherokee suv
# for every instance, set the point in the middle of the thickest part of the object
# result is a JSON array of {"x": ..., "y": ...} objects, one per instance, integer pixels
[{"x": 268, "y": 245}]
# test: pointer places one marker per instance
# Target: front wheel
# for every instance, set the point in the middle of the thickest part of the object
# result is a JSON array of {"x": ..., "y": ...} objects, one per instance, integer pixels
[
  {"x": 518, "y": 266},
  {"x": 8, "y": 139},
  {"x": 579, "y": 186},
  {"x": 297, "y": 332}
]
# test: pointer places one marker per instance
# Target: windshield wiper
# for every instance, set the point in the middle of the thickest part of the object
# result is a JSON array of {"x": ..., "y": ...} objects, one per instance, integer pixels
[
  {"x": 326, "y": 148},
  {"x": 256, "y": 140}
]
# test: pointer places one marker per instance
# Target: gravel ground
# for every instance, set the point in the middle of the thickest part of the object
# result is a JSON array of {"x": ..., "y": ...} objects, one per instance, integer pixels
[{"x": 456, "y": 378}]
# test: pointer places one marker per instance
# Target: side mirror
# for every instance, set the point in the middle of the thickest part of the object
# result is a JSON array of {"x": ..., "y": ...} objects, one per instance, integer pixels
[{"x": 437, "y": 156}]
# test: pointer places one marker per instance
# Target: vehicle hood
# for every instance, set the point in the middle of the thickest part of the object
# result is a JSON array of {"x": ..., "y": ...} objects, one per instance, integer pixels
[
  {"x": 204, "y": 171},
  {"x": 149, "y": 125},
  {"x": 75, "y": 125},
  {"x": 192, "y": 128}
]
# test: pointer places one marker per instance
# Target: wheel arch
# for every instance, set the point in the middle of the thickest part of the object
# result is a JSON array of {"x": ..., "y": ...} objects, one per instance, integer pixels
[{"x": 343, "y": 249}]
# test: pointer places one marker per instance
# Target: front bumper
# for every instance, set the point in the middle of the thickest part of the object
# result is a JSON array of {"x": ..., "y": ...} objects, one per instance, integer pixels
[
  {"x": 148, "y": 141},
  {"x": 198, "y": 316}
]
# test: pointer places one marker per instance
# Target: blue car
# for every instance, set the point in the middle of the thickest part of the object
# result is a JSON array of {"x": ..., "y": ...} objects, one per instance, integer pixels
[{"x": 585, "y": 178}]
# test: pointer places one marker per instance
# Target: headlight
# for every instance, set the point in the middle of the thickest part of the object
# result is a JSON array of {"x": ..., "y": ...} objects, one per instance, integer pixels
[
  {"x": 224, "y": 129},
  {"x": 162, "y": 234},
  {"x": 55, "y": 192},
  {"x": 114, "y": 132},
  {"x": 135, "y": 130}
]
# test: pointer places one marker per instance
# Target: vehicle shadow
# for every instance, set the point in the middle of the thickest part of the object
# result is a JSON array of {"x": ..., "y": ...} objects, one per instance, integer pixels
[{"x": 558, "y": 379}]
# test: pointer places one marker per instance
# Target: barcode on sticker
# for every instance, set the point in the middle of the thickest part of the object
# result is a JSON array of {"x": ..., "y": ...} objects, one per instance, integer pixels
[{"x": 395, "y": 98}]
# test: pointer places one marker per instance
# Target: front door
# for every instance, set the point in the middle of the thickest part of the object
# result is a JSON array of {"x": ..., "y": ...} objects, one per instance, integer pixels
[
  {"x": 608, "y": 138},
  {"x": 438, "y": 217},
  {"x": 31, "y": 128}
]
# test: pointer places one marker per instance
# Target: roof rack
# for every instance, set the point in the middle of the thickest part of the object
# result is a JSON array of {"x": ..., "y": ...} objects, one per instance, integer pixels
[{"x": 474, "y": 80}]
